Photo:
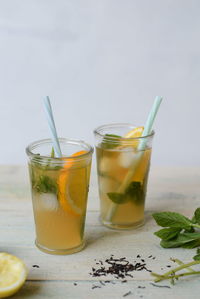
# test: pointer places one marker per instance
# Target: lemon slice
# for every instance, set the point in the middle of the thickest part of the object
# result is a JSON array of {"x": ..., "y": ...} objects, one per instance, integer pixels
[
  {"x": 13, "y": 274},
  {"x": 137, "y": 132},
  {"x": 72, "y": 187}
]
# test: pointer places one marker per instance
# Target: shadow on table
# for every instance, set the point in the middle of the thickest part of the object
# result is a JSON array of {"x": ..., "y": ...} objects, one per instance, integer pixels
[
  {"x": 29, "y": 289},
  {"x": 101, "y": 233}
]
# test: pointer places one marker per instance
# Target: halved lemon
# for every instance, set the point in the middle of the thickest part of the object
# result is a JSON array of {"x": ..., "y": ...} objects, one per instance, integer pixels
[
  {"x": 13, "y": 274},
  {"x": 71, "y": 187}
]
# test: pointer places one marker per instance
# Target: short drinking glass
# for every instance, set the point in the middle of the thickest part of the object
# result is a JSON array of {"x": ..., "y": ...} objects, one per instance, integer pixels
[
  {"x": 123, "y": 166},
  {"x": 59, "y": 194}
]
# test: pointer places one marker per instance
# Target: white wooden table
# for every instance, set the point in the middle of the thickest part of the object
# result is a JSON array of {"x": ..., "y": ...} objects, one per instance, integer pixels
[{"x": 175, "y": 189}]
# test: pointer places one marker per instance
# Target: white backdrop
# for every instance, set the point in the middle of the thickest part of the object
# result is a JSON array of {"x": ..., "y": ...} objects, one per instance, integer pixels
[{"x": 100, "y": 62}]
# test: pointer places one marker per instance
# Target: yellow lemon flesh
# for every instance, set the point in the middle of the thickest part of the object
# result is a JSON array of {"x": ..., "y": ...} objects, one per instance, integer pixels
[
  {"x": 76, "y": 187},
  {"x": 13, "y": 274},
  {"x": 137, "y": 132}
]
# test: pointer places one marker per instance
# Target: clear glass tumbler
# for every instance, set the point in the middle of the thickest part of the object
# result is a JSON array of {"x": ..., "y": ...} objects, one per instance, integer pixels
[
  {"x": 59, "y": 194},
  {"x": 122, "y": 167}
]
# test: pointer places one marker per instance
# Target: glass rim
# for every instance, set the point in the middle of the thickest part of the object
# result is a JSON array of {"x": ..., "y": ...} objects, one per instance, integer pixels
[
  {"x": 98, "y": 133},
  {"x": 36, "y": 143}
]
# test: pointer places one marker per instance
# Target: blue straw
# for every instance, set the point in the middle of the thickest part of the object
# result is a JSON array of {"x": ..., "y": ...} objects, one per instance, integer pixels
[
  {"x": 52, "y": 127},
  {"x": 150, "y": 120}
]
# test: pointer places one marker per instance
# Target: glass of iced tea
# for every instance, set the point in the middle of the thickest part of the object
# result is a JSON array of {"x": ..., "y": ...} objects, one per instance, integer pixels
[
  {"x": 59, "y": 194},
  {"x": 123, "y": 161}
]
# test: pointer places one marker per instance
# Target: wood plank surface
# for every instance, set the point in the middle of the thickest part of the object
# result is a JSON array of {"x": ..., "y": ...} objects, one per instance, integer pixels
[{"x": 175, "y": 189}]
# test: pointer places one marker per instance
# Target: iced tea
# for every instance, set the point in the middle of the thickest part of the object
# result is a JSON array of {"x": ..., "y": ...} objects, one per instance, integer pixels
[{"x": 122, "y": 177}]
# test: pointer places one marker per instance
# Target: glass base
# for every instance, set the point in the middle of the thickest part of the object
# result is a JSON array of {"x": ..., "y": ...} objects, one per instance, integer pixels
[
  {"x": 60, "y": 251},
  {"x": 120, "y": 226}
]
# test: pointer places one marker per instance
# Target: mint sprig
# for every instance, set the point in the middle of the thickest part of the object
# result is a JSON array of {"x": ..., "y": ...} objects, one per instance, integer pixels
[
  {"x": 179, "y": 230},
  {"x": 39, "y": 169},
  {"x": 173, "y": 276},
  {"x": 45, "y": 184}
]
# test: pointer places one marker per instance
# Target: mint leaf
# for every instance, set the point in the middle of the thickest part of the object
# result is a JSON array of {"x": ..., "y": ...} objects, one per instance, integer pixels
[
  {"x": 135, "y": 191},
  {"x": 45, "y": 184},
  {"x": 195, "y": 236},
  {"x": 191, "y": 245},
  {"x": 172, "y": 219},
  {"x": 110, "y": 141},
  {"x": 196, "y": 217},
  {"x": 189, "y": 230},
  {"x": 197, "y": 257},
  {"x": 168, "y": 233},
  {"x": 118, "y": 198},
  {"x": 180, "y": 240}
]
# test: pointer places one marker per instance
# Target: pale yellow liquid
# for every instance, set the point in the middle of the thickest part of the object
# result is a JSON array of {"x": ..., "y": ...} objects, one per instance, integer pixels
[
  {"x": 59, "y": 229},
  {"x": 113, "y": 166}
]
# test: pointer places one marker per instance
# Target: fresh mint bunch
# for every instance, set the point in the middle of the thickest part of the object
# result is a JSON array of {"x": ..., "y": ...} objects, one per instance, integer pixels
[{"x": 178, "y": 231}]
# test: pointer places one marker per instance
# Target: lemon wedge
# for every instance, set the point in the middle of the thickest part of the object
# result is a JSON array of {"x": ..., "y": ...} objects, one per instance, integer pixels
[
  {"x": 136, "y": 132},
  {"x": 13, "y": 274}
]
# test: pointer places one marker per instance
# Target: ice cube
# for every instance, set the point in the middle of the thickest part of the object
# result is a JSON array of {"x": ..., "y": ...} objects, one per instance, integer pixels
[
  {"x": 126, "y": 158},
  {"x": 107, "y": 183},
  {"x": 48, "y": 201},
  {"x": 105, "y": 164}
]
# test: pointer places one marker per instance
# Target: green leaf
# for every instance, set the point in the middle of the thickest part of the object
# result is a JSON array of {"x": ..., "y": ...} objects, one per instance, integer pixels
[
  {"x": 110, "y": 141},
  {"x": 168, "y": 233},
  {"x": 195, "y": 235},
  {"x": 135, "y": 192},
  {"x": 197, "y": 257},
  {"x": 52, "y": 153},
  {"x": 118, "y": 198},
  {"x": 45, "y": 184},
  {"x": 197, "y": 216},
  {"x": 172, "y": 219},
  {"x": 191, "y": 245},
  {"x": 180, "y": 240},
  {"x": 189, "y": 230}
]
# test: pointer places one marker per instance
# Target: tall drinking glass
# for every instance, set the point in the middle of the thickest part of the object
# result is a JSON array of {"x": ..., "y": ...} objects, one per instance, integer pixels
[
  {"x": 59, "y": 194},
  {"x": 122, "y": 167}
]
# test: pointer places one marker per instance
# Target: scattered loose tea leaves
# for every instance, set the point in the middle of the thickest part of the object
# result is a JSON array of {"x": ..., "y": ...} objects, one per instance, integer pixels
[
  {"x": 127, "y": 294},
  {"x": 96, "y": 287},
  {"x": 36, "y": 266},
  {"x": 119, "y": 268},
  {"x": 159, "y": 286}
]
